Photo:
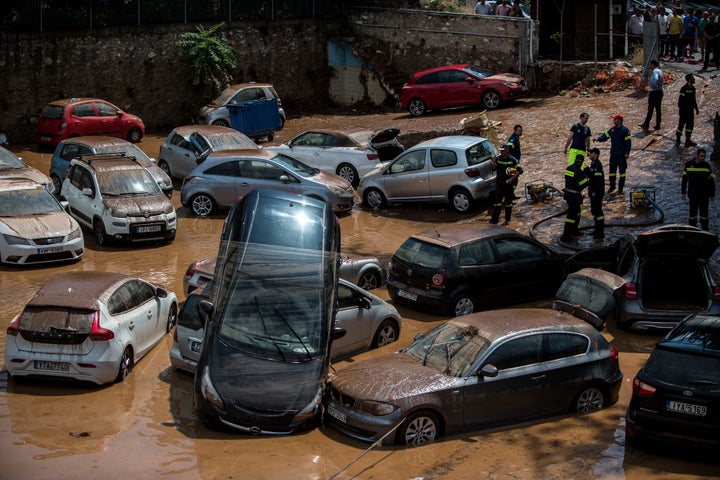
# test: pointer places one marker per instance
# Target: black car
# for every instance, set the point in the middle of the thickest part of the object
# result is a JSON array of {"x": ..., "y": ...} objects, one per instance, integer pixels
[
  {"x": 676, "y": 395},
  {"x": 462, "y": 268}
]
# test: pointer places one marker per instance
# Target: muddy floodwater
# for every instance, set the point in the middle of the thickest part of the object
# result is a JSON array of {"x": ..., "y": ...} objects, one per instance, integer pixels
[{"x": 145, "y": 427}]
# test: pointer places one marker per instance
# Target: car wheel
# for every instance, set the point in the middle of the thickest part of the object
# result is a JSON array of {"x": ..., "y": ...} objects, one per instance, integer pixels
[
  {"x": 417, "y": 107},
  {"x": 491, "y": 99},
  {"x": 589, "y": 399},
  {"x": 100, "y": 236},
  {"x": 386, "y": 333},
  {"x": 463, "y": 305},
  {"x": 374, "y": 198},
  {"x": 126, "y": 365},
  {"x": 369, "y": 280},
  {"x": 221, "y": 123},
  {"x": 418, "y": 429},
  {"x": 164, "y": 167},
  {"x": 57, "y": 185},
  {"x": 348, "y": 172},
  {"x": 172, "y": 318},
  {"x": 461, "y": 200},
  {"x": 202, "y": 205},
  {"x": 270, "y": 137},
  {"x": 134, "y": 135}
]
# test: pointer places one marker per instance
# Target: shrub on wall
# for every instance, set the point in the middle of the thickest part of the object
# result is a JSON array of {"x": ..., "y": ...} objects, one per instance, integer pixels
[{"x": 212, "y": 58}]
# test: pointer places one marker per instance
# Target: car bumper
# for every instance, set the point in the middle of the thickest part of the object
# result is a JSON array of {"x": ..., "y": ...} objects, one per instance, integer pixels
[
  {"x": 35, "y": 254},
  {"x": 360, "y": 425},
  {"x": 632, "y": 316},
  {"x": 342, "y": 204},
  {"x": 179, "y": 362},
  {"x": 131, "y": 232},
  {"x": 640, "y": 427},
  {"x": 417, "y": 299},
  {"x": 52, "y": 139}
]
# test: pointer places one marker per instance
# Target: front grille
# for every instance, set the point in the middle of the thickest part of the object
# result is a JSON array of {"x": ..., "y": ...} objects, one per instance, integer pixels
[{"x": 48, "y": 240}]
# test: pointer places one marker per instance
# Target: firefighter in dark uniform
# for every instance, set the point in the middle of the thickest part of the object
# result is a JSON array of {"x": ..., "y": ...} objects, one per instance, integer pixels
[
  {"x": 620, "y": 145},
  {"x": 508, "y": 170},
  {"x": 687, "y": 108},
  {"x": 698, "y": 185},
  {"x": 575, "y": 182},
  {"x": 596, "y": 190}
]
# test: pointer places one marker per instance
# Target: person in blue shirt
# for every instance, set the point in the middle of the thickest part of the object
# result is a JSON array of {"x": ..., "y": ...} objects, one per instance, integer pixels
[
  {"x": 655, "y": 96},
  {"x": 514, "y": 142},
  {"x": 620, "y": 144}
]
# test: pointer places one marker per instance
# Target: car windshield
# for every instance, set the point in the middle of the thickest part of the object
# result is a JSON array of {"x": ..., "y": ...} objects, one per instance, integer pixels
[
  {"x": 218, "y": 142},
  {"x": 450, "y": 348},
  {"x": 296, "y": 166},
  {"x": 8, "y": 160},
  {"x": 129, "y": 150},
  {"x": 225, "y": 96},
  {"x": 127, "y": 182},
  {"x": 417, "y": 252},
  {"x": 21, "y": 203},
  {"x": 478, "y": 71}
]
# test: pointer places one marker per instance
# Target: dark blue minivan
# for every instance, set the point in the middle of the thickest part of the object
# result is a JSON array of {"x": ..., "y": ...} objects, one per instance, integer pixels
[{"x": 265, "y": 358}]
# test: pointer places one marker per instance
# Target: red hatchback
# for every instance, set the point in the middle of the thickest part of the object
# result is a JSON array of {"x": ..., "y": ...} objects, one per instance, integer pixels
[
  {"x": 74, "y": 117},
  {"x": 458, "y": 86}
]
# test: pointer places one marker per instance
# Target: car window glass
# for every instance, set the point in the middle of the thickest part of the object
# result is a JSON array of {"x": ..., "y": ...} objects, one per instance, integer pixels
[
  {"x": 346, "y": 297},
  {"x": 442, "y": 158},
  {"x": 105, "y": 110},
  {"x": 483, "y": 151},
  {"x": 247, "y": 95},
  {"x": 83, "y": 110},
  {"x": 225, "y": 169},
  {"x": 180, "y": 141},
  {"x": 260, "y": 169},
  {"x": 330, "y": 141},
  {"x": 562, "y": 345},
  {"x": 409, "y": 162},
  {"x": 52, "y": 111},
  {"x": 518, "y": 250},
  {"x": 452, "y": 76},
  {"x": 673, "y": 367},
  {"x": 70, "y": 151},
  {"x": 140, "y": 292},
  {"x": 517, "y": 352},
  {"x": 429, "y": 78},
  {"x": 478, "y": 253},
  {"x": 192, "y": 316},
  {"x": 120, "y": 301},
  {"x": 312, "y": 139}
]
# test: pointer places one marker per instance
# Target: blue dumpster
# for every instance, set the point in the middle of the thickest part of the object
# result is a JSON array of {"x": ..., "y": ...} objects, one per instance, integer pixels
[{"x": 256, "y": 119}]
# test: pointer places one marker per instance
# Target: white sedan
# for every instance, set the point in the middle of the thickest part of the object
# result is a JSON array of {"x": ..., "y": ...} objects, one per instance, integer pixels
[
  {"x": 348, "y": 153},
  {"x": 88, "y": 326}
]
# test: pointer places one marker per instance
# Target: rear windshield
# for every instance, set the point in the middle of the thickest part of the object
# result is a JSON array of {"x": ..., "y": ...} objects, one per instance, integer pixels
[
  {"x": 223, "y": 141},
  {"x": 192, "y": 316},
  {"x": 480, "y": 152},
  {"x": 52, "y": 111},
  {"x": 417, "y": 252},
  {"x": 59, "y": 325},
  {"x": 680, "y": 368}
]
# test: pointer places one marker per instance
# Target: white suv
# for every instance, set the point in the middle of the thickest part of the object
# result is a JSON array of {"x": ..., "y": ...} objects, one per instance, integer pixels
[{"x": 118, "y": 199}]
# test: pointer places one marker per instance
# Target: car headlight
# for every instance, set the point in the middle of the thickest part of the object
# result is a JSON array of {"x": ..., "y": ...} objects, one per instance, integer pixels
[
  {"x": 169, "y": 209},
  {"x": 310, "y": 409},
  {"x": 119, "y": 213},
  {"x": 377, "y": 408},
  {"x": 511, "y": 84},
  {"x": 337, "y": 190},
  {"x": 77, "y": 233},
  {"x": 207, "y": 389},
  {"x": 13, "y": 240}
]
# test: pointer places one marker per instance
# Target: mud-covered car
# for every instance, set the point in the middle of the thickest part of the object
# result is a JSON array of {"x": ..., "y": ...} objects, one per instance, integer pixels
[
  {"x": 217, "y": 111},
  {"x": 12, "y": 166}
]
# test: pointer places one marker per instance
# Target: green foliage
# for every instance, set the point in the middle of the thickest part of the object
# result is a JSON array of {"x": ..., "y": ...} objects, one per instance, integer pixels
[
  {"x": 212, "y": 58},
  {"x": 557, "y": 37},
  {"x": 442, "y": 6}
]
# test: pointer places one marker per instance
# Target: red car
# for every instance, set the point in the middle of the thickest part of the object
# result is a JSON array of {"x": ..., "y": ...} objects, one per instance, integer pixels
[
  {"x": 75, "y": 117},
  {"x": 458, "y": 86}
]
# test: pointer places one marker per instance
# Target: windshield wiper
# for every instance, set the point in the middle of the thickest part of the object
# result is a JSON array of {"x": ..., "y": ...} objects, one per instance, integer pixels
[
  {"x": 262, "y": 320},
  {"x": 282, "y": 317}
]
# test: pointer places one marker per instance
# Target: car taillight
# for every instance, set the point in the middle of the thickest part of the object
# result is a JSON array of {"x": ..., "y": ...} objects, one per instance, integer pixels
[
  {"x": 472, "y": 172},
  {"x": 373, "y": 156},
  {"x": 63, "y": 125},
  {"x": 615, "y": 355},
  {"x": 716, "y": 293},
  {"x": 99, "y": 333},
  {"x": 186, "y": 180},
  {"x": 642, "y": 388},
  {"x": 279, "y": 103},
  {"x": 13, "y": 328},
  {"x": 631, "y": 291},
  {"x": 191, "y": 269},
  {"x": 438, "y": 279},
  {"x": 175, "y": 337}
]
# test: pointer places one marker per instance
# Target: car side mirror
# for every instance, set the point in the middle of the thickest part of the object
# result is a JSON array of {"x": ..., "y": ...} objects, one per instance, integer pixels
[
  {"x": 207, "y": 307},
  {"x": 337, "y": 332},
  {"x": 284, "y": 179},
  {"x": 87, "y": 192},
  {"x": 153, "y": 160},
  {"x": 161, "y": 293},
  {"x": 64, "y": 204},
  {"x": 120, "y": 114},
  {"x": 364, "y": 302},
  {"x": 489, "y": 370},
  {"x": 418, "y": 337}
]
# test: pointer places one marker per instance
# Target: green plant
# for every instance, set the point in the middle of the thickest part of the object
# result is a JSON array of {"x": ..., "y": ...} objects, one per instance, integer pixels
[
  {"x": 212, "y": 58},
  {"x": 442, "y": 6},
  {"x": 557, "y": 36}
]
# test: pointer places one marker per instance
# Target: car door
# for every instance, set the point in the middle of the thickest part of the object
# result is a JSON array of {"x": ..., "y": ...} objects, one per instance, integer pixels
[
  {"x": 406, "y": 178},
  {"x": 80, "y": 205},
  {"x": 479, "y": 270},
  {"x": 527, "y": 272},
  {"x": 443, "y": 173},
  {"x": 140, "y": 313},
  {"x": 191, "y": 326},
  {"x": 85, "y": 120},
  {"x": 308, "y": 148},
  {"x": 60, "y": 163},
  {"x": 457, "y": 89},
  {"x": 110, "y": 119},
  {"x": 222, "y": 181},
  {"x": 258, "y": 174},
  {"x": 352, "y": 317},
  {"x": 181, "y": 155}
]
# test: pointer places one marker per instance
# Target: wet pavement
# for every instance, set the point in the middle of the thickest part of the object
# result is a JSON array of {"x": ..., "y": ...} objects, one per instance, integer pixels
[{"x": 145, "y": 427}]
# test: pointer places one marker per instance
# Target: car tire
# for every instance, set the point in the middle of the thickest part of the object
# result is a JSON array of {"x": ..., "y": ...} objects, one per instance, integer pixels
[
  {"x": 202, "y": 205},
  {"x": 165, "y": 167},
  {"x": 461, "y": 200},
  {"x": 491, "y": 99},
  {"x": 374, "y": 198},
  {"x": 134, "y": 135},
  {"x": 172, "y": 318},
  {"x": 589, "y": 399},
  {"x": 57, "y": 184},
  {"x": 386, "y": 333},
  {"x": 270, "y": 137},
  {"x": 417, "y": 107},
  {"x": 462, "y": 305},
  {"x": 418, "y": 429},
  {"x": 369, "y": 280},
  {"x": 221, "y": 123},
  {"x": 126, "y": 365},
  {"x": 348, "y": 172},
  {"x": 101, "y": 237}
]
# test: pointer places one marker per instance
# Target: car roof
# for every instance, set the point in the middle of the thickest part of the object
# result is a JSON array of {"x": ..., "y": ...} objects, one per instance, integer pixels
[
  {"x": 699, "y": 333},
  {"x": 95, "y": 141},
  {"x": 77, "y": 289},
  {"x": 455, "y": 234},
  {"x": 16, "y": 183},
  {"x": 455, "y": 66},
  {"x": 69, "y": 101},
  {"x": 107, "y": 162},
  {"x": 207, "y": 130},
  {"x": 451, "y": 141},
  {"x": 245, "y": 152},
  {"x": 238, "y": 86}
]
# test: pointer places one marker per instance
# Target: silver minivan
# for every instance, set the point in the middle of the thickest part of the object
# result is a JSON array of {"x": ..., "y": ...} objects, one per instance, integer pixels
[{"x": 454, "y": 169}]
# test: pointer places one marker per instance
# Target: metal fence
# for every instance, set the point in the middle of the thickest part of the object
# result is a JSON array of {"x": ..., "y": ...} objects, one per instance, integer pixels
[{"x": 54, "y": 15}]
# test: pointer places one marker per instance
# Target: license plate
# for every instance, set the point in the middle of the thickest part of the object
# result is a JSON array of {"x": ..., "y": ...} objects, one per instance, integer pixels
[
  {"x": 195, "y": 346},
  {"x": 148, "y": 228},
  {"x": 687, "y": 408},
  {"x": 336, "y": 414},
  {"x": 45, "y": 139},
  {"x": 408, "y": 295},
  {"x": 56, "y": 366},
  {"x": 42, "y": 251}
]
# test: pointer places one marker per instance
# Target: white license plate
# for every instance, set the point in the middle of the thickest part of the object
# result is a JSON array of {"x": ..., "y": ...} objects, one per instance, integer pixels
[
  {"x": 687, "y": 408},
  {"x": 408, "y": 295},
  {"x": 148, "y": 228},
  {"x": 336, "y": 414},
  {"x": 56, "y": 366},
  {"x": 45, "y": 139},
  {"x": 195, "y": 346},
  {"x": 42, "y": 251}
]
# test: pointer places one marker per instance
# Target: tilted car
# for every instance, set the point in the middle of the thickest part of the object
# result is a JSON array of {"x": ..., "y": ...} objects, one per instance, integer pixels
[
  {"x": 76, "y": 117},
  {"x": 186, "y": 147},
  {"x": 225, "y": 176},
  {"x": 676, "y": 394},
  {"x": 96, "y": 145},
  {"x": 12, "y": 166},
  {"x": 217, "y": 111},
  {"x": 462, "y": 268},
  {"x": 459, "y": 86},
  {"x": 88, "y": 326},
  {"x": 118, "y": 199},
  {"x": 482, "y": 370},
  {"x": 348, "y": 153},
  {"x": 34, "y": 227},
  {"x": 455, "y": 170}
]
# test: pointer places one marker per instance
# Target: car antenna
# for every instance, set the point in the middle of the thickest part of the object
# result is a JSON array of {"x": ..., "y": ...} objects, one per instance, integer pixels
[{"x": 436, "y": 231}]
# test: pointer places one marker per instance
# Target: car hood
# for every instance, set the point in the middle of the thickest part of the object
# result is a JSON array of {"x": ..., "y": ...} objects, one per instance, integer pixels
[
  {"x": 133, "y": 206},
  {"x": 589, "y": 294},
  {"x": 384, "y": 135},
  {"x": 332, "y": 180},
  {"x": 390, "y": 377},
  {"x": 505, "y": 77},
  {"x": 676, "y": 240},
  {"x": 26, "y": 174},
  {"x": 56, "y": 224}
]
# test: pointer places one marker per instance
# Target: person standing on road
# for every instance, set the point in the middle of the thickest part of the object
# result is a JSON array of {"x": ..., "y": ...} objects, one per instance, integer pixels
[
  {"x": 662, "y": 20},
  {"x": 687, "y": 108},
  {"x": 690, "y": 28},
  {"x": 508, "y": 170},
  {"x": 579, "y": 139},
  {"x": 575, "y": 182},
  {"x": 635, "y": 28},
  {"x": 712, "y": 43},
  {"x": 620, "y": 144},
  {"x": 655, "y": 96},
  {"x": 596, "y": 190},
  {"x": 675, "y": 30},
  {"x": 698, "y": 186}
]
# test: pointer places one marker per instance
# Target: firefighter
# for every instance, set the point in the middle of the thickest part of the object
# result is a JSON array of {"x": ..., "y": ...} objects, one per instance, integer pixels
[
  {"x": 620, "y": 144},
  {"x": 508, "y": 170},
  {"x": 698, "y": 185},
  {"x": 596, "y": 190},
  {"x": 575, "y": 182},
  {"x": 687, "y": 108}
]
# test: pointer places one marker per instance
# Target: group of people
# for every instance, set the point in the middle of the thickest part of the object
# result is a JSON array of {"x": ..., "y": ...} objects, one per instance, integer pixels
[{"x": 505, "y": 8}]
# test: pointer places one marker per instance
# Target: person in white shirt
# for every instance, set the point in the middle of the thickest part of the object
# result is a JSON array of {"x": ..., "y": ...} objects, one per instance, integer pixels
[
  {"x": 635, "y": 27},
  {"x": 662, "y": 21}
]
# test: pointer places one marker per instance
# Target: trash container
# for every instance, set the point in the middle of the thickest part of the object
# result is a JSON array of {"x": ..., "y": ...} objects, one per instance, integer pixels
[{"x": 257, "y": 118}]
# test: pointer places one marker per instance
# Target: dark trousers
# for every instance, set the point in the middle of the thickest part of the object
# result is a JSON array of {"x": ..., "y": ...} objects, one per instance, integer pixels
[
  {"x": 712, "y": 46},
  {"x": 664, "y": 45},
  {"x": 675, "y": 46},
  {"x": 596, "y": 210},
  {"x": 503, "y": 198},
  {"x": 572, "y": 219},
  {"x": 699, "y": 203},
  {"x": 687, "y": 122},
  {"x": 618, "y": 164},
  {"x": 654, "y": 104}
]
